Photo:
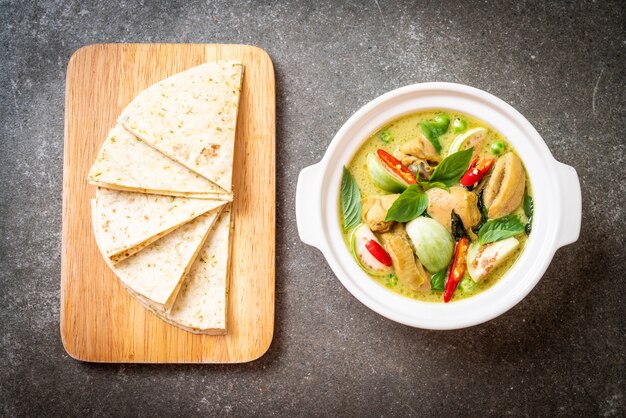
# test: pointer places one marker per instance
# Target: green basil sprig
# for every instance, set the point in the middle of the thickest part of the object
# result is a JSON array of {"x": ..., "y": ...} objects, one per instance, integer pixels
[
  {"x": 451, "y": 169},
  {"x": 499, "y": 229},
  {"x": 438, "y": 281},
  {"x": 350, "y": 201},
  {"x": 414, "y": 201},
  {"x": 411, "y": 204},
  {"x": 434, "y": 128}
]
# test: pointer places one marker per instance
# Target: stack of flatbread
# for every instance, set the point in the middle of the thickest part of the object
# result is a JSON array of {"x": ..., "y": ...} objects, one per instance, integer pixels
[{"x": 161, "y": 215}]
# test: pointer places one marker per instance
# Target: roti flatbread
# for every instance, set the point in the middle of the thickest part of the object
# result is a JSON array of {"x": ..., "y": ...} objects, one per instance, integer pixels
[
  {"x": 130, "y": 221},
  {"x": 126, "y": 163},
  {"x": 157, "y": 271},
  {"x": 191, "y": 117},
  {"x": 201, "y": 304}
]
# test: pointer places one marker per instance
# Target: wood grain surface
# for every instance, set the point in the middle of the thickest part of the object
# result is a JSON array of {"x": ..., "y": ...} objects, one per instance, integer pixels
[{"x": 100, "y": 321}]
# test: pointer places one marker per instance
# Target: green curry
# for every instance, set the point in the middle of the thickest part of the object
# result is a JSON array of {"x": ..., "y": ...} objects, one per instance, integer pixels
[{"x": 436, "y": 206}]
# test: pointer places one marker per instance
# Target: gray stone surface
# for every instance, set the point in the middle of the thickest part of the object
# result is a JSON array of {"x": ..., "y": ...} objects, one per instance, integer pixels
[{"x": 560, "y": 351}]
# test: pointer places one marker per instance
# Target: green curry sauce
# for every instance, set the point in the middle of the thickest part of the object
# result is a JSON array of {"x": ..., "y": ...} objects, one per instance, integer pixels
[{"x": 402, "y": 130}]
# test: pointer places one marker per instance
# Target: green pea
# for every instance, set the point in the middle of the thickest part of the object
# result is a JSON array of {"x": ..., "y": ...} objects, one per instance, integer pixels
[
  {"x": 459, "y": 125},
  {"x": 467, "y": 285},
  {"x": 497, "y": 148},
  {"x": 391, "y": 281},
  {"x": 385, "y": 136},
  {"x": 442, "y": 121}
]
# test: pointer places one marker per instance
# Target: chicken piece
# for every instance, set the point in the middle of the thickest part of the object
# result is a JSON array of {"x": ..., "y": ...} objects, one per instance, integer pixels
[
  {"x": 464, "y": 203},
  {"x": 505, "y": 189},
  {"x": 374, "y": 211},
  {"x": 419, "y": 148},
  {"x": 407, "y": 267},
  {"x": 419, "y": 156}
]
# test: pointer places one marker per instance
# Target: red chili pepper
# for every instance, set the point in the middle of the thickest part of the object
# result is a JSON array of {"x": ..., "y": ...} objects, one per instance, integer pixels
[
  {"x": 378, "y": 252},
  {"x": 476, "y": 171},
  {"x": 457, "y": 269},
  {"x": 396, "y": 166}
]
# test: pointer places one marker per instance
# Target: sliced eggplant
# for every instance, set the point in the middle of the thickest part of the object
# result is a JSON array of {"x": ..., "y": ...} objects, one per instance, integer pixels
[
  {"x": 433, "y": 243},
  {"x": 358, "y": 243},
  {"x": 384, "y": 178},
  {"x": 482, "y": 260},
  {"x": 472, "y": 138}
]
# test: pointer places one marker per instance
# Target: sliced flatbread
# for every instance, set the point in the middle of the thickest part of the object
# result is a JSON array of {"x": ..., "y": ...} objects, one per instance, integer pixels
[
  {"x": 126, "y": 163},
  {"x": 201, "y": 304},
  {"x": 157, "y": 271},
  {"x": 191, "y": 117},
  {"x": 130, "y": 221}
]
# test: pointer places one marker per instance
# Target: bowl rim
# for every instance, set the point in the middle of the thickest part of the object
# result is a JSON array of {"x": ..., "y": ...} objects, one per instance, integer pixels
[{"x": 537, "y": 253}]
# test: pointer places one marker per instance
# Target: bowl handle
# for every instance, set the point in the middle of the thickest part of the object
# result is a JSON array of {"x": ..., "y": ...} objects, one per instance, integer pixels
[
  {"x": 571, "y": 204},
  {"x": 308, "y": 206}
]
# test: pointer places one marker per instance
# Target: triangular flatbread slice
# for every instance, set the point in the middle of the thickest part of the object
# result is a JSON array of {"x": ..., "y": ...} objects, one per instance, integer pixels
[
  {"x": 127, "y": 163},
  {"x": 201, "y": 302},
  {"x": 157, "y": 271},
  {"x": 130, "y": 221},
  {"x": 201, "y": 305},
  {"x": 191, "y": 117}
]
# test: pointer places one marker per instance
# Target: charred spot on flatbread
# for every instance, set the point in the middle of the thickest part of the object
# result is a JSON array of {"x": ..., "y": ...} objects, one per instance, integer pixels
[{"x": 208, "y": 153}]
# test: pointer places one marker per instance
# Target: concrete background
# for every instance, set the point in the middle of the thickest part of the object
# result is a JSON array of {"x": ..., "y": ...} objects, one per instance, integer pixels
[{"x": 559, "y": 352}]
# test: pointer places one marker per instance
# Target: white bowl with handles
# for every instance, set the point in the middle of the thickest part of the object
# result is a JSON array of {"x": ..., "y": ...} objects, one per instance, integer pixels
[{"x": 556, "y": 194}]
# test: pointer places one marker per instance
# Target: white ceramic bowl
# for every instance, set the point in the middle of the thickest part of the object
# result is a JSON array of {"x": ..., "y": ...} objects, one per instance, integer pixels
[{"x": 556, "y": 220}]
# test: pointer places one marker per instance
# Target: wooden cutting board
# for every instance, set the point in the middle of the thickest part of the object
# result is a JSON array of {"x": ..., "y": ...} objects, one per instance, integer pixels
[{"x": 100, "y": 321}]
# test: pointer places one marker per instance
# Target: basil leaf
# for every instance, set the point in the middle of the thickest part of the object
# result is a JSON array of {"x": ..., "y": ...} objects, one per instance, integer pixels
[
  {"x": 438, "y": 281},
  {"x": 350, "y": 201},
  {"x": 411, "y": 204},
  {"x": 434, "y": 128},
  {"x": 458, "y": 230},
  {"x": 483, "y": 212},
  {"x": 430, "y": 133},
  {"x": 429, "y": 185},
  {"x": 452, "y": 168},
  {"x": 499, "y": 229},
  {"x": 529, "y": 207}
]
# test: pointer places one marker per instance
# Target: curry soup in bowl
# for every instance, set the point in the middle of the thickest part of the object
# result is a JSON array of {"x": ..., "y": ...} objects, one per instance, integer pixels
[{"x": 436, "y": 206}]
